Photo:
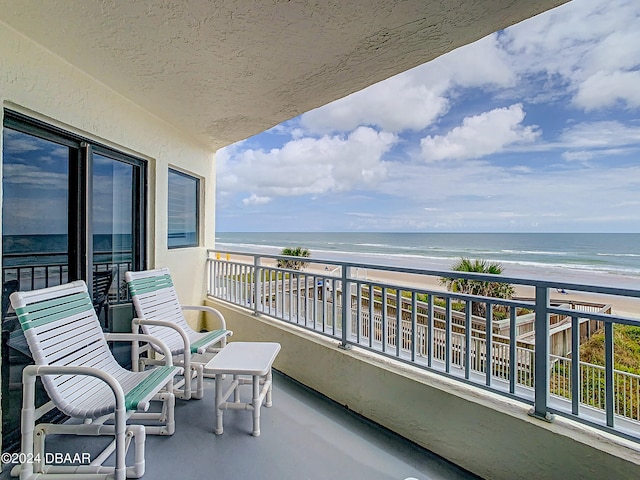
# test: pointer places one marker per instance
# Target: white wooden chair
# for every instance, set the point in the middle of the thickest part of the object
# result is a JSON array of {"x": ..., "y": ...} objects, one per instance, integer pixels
[
  {"x": 160, "y": 314},
  {"x": 85, "y": 382}
]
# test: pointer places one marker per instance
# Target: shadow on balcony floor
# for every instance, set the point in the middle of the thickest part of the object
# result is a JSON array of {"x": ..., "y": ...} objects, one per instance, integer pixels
[{"x": 303, "y": 436}]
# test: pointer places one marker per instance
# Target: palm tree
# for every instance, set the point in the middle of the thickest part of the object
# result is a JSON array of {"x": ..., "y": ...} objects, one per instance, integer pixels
[
  {"x": 477, "y": 287},
  {"x": 293, "y": 252}
]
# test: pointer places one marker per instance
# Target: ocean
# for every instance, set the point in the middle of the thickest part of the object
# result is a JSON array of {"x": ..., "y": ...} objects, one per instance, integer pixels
[{"x": 588, "y": 258}]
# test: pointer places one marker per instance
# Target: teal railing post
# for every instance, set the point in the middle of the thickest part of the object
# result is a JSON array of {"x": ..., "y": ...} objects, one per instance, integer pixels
[
  {"x": 541, "y": 359},
  {"x": 257, "y": 284},
  {"x": 346, "y": 306},
  {"x": 608, "y": 373},
  {"x": 209, "y": 266}
]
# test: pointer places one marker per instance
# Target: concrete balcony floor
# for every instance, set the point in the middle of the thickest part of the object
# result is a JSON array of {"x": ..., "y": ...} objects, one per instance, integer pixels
[{"x": 303, "y": 436}]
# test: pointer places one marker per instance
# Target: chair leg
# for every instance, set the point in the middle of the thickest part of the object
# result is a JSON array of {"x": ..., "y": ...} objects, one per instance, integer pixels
[
  {"x": 27, "y": 423},
  {"x": 92, "y": 466},
  {"x": 33, "y": 441},
  {"x": 188, "y": 373},
  {"x": 166, "y": 416},
  {"x": 121, "y": 451},
  {"x": 199, "y": 377}
]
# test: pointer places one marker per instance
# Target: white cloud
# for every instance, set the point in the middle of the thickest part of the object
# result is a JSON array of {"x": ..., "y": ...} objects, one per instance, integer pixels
[
  {"x": 480, "y": 135},
  {"x": 588, "y": 48},
  {"x": 557, "y": 41},
  {"x": 415, "y": 99},
  {"x": 482, "y": 196},
  {"x": 226, "y": 179},
  {"x": 255, "y": 200},
  {"x": 580, "y": 155},
  {"x": 631, "y": 203},
  {"x": 307, "y": 165},
  {"x": 605, "y": 134},
  {"x": 297, "y": 133},
  {"x": 394, "y": 105},
  {"x": 619, "y": 47},
  {"x": 482, "y": 63},
  {"x": 606, "y": 89}
]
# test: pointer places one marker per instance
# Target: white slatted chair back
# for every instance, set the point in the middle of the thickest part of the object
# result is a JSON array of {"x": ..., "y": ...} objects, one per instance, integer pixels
[
  {"x": 155, "y": 298},
  {"x": 62, "y": 329},
  {"x": 159, "y": 313}
]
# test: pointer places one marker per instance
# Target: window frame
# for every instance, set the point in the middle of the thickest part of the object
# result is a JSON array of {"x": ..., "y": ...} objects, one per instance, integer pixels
[
  {"x": 81, "y": 181},
  {"x": 197, "y": 180}
]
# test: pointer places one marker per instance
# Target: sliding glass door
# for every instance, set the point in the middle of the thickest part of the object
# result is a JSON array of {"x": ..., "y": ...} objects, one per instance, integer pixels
[
  {"x": 117, "y": 228},
  {"x": 72, "y": 209}
]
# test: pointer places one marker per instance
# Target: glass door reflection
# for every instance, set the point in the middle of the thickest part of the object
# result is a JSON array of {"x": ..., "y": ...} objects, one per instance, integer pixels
[
  {"x": 113, "y": 231},
  {"x": 35, "y": 248}
]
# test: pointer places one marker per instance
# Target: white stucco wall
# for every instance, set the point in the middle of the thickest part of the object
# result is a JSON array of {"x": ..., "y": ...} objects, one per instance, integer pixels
[
  {"x": 37, "y": 83},
  {"x": 485, "y": 433}
]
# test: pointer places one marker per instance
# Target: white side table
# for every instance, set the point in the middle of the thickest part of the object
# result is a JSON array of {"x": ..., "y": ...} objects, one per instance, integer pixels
[{"x": 243, "y": 358}]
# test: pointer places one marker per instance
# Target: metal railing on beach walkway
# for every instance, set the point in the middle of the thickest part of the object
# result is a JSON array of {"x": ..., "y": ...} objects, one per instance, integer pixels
[{"x": 430, "y": 333}]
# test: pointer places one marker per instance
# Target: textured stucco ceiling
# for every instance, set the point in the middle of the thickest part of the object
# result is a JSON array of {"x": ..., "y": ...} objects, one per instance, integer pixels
[{"x": 223, "y": 70}]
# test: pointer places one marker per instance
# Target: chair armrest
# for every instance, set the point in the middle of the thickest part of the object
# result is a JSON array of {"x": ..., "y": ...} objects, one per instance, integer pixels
[
  {"x": 203, "y": 308},
  {"x": 31, "y": 371},
  {"x": 133, "y": 337},
  {"x": 164, "y": 323}
]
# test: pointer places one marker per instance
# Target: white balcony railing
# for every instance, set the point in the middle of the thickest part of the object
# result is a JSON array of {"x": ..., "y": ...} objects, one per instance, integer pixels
[{"x": 427, "y": 332}]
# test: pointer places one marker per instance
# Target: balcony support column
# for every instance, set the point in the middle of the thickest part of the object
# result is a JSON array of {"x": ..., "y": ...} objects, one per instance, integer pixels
[{"x": 541, "y": 362}]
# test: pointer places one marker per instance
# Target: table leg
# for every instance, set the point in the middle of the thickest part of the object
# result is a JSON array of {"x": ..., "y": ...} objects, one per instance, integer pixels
[
  {"x": 218, "y": 428},
  {"x": 270, "y": 380},
  {"x": 236, "y": 392},
  {"x": 256, "y": 405}
]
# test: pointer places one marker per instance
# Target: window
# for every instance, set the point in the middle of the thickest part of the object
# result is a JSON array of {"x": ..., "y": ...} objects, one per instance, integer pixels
[
  {"x": 71, "y": 205},
  {"x": 184, "y": 193}
]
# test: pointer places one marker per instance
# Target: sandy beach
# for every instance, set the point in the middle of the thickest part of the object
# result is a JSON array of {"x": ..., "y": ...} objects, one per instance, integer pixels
[{"x": 622, "y": 306}]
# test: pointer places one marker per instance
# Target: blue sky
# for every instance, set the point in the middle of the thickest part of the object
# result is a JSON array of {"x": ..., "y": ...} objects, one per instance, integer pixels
[{"x": 532, "y": 129}]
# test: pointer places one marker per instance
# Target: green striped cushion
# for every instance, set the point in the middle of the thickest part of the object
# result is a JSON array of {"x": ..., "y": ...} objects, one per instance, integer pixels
[
  {"x": 41, "y": 313},
  {"x": 208, "y": 338},
  {"x": 149, "y": 284},
  {"x": 158, "y": 376}
]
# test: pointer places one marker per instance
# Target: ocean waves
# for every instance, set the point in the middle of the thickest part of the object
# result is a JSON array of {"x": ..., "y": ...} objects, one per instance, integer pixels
[{"x": 537, "y": 255}]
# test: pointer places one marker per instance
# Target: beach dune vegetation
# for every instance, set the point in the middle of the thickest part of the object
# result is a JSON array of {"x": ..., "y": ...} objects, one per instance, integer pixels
[
  {"x": 476, "y": 287},
  {"x": 626, "y": 340},
  {"x": 293, "y": 264}
]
